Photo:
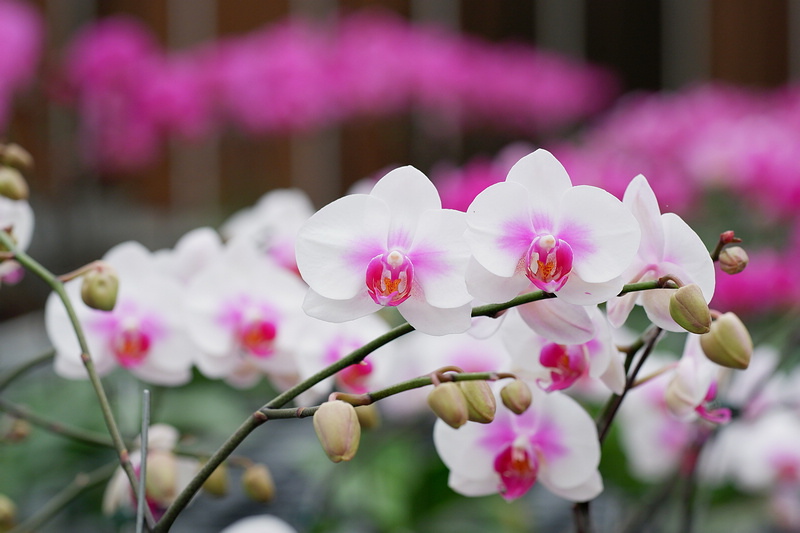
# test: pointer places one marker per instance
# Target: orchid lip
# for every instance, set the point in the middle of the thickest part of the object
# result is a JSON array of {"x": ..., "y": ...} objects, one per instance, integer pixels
[
  {"x": 130, "y": 346},
  {"x": 389, "y": 278},
  {"x": 548, "y": 262},
  {"x": 518, "y": 467}
]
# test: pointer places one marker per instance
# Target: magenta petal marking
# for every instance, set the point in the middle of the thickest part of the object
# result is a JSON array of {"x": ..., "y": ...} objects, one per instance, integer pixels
[
  {"x": 548, "y": 262},
  {"x": 389, "y": 278},
  {"x": 258, "y": 337},
  {"x": 566, "y": 364},
  {"x": 130, "y": 347},
  {"x": 354, "y": 377},
  {"x": 518, "y": 468}
]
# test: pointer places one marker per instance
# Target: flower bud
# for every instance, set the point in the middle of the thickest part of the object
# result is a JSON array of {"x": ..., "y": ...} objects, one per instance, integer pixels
[
  {"x": 217, "y": 483},
  {"x": 100, "y": 286},
  {"x": 688, "y": 307},
  {"x": 448, "y": 402},
  {"x": 338, "y": 430},
  {"x": 12, "y": 184},
  {"x": 481, "y": 404},
  {"x": 516, "y": 396},
  {"x": 733, "y": 259},
  {"x": 728, "y": 343},
  {"x": 18, "y": 430},
  {"x": 258, "y": 484},
  {"x": 8, "y": 513},
  {"x": 368, "y": 416},
  {"x": 16, "y": 156},
  {"x": 161, "y": 477}
]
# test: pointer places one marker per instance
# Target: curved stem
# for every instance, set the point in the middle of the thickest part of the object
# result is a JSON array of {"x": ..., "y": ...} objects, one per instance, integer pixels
[
  {"x": 24, "y": 367},
  {"x": 79, "y": 485},
  {"x": 48, "y": 277},
  {"x": 354, "y": 357}
]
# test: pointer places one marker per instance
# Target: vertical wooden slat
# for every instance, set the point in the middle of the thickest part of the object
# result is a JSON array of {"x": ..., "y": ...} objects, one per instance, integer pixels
[
  {"x": 560, "y": 26},
  {"x": 750, "y": 41},
  {"x": 194, "y": 176},
  {"x": 686, "y": 43},
  {"x": 626, "y": 36},
  {"x": 251, "y": 166},
  {"x": 499, "y": 20}
]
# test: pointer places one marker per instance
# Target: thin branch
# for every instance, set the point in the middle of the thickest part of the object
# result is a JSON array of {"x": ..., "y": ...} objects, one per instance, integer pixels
[
  {"x": 141, "y": 503},
  {"x": 48, "y": 277},
  {"x": 79, "y": 485},
  {"x": 24, "y": 368}
]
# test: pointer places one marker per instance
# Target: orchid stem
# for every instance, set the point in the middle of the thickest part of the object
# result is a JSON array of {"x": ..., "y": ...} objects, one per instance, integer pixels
[{"x": 48, "y": 277}]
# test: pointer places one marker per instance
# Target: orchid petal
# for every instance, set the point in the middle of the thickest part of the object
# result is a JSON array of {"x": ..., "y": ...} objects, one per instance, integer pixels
[
  {"x": 337, "y": 243},
  {"x": 641, "y": 201},
  {"x": 490, "y": 288},
  {"x": 577, "y": 437},
  {"x": 656, "y": 305},
  {"x": 408, "y": 193},
  {"x": 317, "y": 306},
  {"x": 584, "y": 492},
  {"x": 500, "y": 229},
  {"x": 546, "y": 181},
  {"x": 683, "y": 247},
  {"x": 460, "y": 451},
  {"x": 440, "y": 254},
  {"x": 558, "y": 321},
  {"x": 579, "y": 292},
  {"x": 604, "y": 236},
  {"x": 620, "y": 307},
  {"x": 435, "y": 320}
]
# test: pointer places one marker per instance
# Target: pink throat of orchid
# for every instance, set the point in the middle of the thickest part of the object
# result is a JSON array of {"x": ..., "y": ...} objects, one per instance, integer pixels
[
  {"x": 389, "y": 278},
  {"x": 548, "y": 262},
  {"x": 130, "y": 347},
  {"x": 566, "y": 364},
  {"x": 719, "y": 415},
  {"x": 518, "y": 468},
  {"x": 354, "y": 377},
  {"x": 258, "y": 337}
]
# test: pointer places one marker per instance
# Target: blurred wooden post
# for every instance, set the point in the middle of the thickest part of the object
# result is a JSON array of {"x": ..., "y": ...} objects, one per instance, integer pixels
[{"x": 750, "y": 41}]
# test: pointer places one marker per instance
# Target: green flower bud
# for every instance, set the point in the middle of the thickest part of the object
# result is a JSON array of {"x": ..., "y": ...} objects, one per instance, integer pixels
[
  {"x": 217, "y": 482},
  {"x": 448, "y": 402},
  {"x": 688, "y": 307},
  {"x": 100, "y": 286},
  {"x": 16, "y": 156},
  {"x": 8, "y": 513},
  {"x": 338, "y": 430},
  {"x": 12, "y": 184},
  {"x": 728, "y": 343},
  {"x": 733, "y": 259},
  {"x": 258, "y": 484},
  {"x": 516, "y": 396},
  {"x": 481, "y": 404},
  {"x": 368, "y": 416},
  {"x": 161, "y": 477}
]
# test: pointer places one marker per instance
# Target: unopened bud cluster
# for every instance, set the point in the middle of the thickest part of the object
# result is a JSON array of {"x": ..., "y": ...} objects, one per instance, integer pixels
[
  {"x": 473, "y": 401},
  {"x": 733, "y": 259},
  {"x": 14, "y": 160}
]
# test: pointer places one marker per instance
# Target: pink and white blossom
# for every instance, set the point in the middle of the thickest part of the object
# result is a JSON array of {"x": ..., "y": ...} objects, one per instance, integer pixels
[
  {"x": 555, "y": 366},
  {"x": 241, "y": 312},
  {"x": 537, "y": 231},
  {"x": 669, "y": 247},
  {"x": 554, "y": 442},
  {"x": 144, "y": 333},
  {"x": 394, "y": 247}
]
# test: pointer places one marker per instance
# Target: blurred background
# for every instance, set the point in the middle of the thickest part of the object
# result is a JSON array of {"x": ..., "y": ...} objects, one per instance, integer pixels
[{"x": 156, "y": 123}]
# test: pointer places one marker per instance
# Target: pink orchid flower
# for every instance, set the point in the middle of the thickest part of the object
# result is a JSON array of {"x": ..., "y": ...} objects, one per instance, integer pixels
[
  {"x": 554, "y": 442},
  {"x": 395, "y": 247}
]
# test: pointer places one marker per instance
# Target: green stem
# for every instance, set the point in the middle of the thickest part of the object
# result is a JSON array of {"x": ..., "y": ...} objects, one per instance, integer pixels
[
  {"x": 24, "y": 367},
  {"x": 356, "y": 356},
  {"x": 79, "y": 485},
  {"x": 48, "y": 277},
  {"x": 59, "y": 428}
]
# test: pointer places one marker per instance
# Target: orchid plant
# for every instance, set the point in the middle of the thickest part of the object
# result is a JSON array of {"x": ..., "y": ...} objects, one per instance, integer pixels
[{"x": 510, "y": 310}]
